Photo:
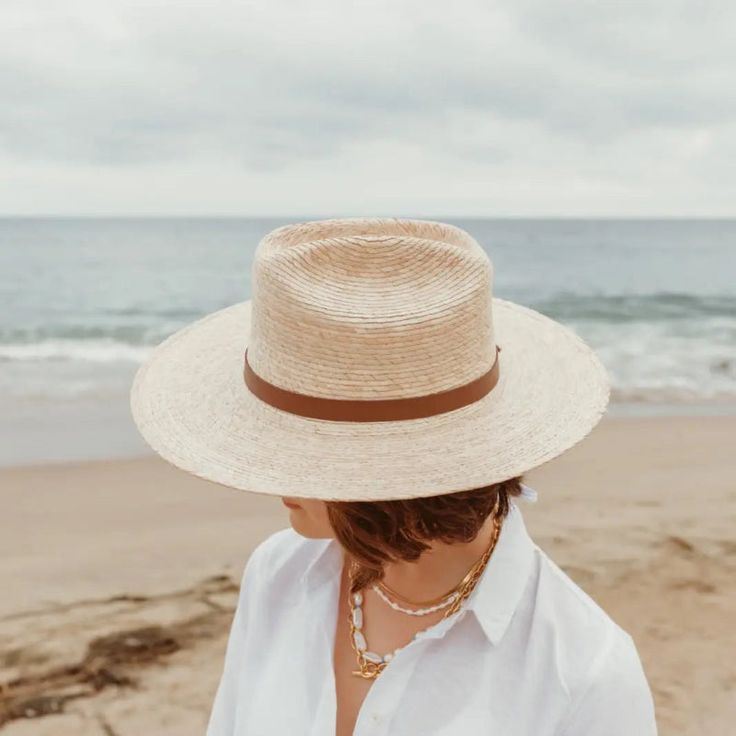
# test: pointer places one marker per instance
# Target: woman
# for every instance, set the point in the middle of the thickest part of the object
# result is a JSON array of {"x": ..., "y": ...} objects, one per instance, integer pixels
[{"x": 377, "y": 387}]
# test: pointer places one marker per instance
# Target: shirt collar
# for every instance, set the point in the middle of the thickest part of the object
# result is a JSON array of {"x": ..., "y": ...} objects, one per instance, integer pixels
[
  {"x": 496, "y": 594},
  {"x": 325, "y": 566}
]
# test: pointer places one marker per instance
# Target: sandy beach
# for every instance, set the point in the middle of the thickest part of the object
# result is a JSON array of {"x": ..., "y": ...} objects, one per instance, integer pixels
[{"x": 119, "y": 578}]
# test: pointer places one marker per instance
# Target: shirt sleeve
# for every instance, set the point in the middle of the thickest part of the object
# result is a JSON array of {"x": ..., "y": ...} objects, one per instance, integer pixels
[
  {"x": 616, "y": 700},
  {"x": 222, "y": 716}
]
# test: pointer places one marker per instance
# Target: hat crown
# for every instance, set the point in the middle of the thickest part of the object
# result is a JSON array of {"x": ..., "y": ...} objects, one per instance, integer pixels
[{"x": 371, "y": 308}]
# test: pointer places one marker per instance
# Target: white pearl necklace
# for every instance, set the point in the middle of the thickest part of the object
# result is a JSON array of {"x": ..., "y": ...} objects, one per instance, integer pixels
[
  {"x": 417, "y": 611},
  {"x": 359, "y": 638}
]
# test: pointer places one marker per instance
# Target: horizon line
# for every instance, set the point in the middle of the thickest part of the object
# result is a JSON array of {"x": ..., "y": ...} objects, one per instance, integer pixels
[{"x": 312, "y": 217}]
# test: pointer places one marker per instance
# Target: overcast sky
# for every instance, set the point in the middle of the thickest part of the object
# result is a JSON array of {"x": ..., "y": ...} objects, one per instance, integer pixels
[{"x": 514, "y": 108}]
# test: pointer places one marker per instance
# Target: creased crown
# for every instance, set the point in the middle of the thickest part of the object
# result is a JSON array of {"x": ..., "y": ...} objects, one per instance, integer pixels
[{"x": 369, "y": 308}]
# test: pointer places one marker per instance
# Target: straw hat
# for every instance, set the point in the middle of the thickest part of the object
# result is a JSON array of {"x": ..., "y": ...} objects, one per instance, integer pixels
[{"x": 371, "y": 363}]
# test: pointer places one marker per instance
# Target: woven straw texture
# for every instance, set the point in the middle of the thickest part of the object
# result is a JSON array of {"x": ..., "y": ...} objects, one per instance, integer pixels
[{"x": 368, "y": 308}]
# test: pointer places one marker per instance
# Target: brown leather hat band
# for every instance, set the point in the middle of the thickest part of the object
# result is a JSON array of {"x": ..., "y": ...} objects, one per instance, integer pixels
[{"x": 372, "y": 410}]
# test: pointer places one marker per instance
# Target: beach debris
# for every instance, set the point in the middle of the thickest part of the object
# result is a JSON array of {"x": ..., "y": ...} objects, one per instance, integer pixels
[
  {"x": 114, "y": 659},
  {"x": 105, "y": 663}
]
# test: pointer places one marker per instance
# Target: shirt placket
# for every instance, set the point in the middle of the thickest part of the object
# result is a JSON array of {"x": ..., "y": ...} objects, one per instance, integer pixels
[
  {"x": 384, "y": 698},
  {"x": 323, "y": 600}
]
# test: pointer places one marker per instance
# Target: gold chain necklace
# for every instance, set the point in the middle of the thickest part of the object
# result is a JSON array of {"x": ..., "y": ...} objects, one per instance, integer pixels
[
  {"x": 371, "y": 664},
  {"x": 434, "y": 601}
]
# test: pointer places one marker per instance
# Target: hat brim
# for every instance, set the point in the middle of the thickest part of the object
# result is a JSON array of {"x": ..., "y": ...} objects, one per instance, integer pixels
[{"x": 191, "y": 404}]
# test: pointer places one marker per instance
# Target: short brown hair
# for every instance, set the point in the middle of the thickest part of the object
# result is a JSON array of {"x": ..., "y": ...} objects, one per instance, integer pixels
[{"x": 376, "y": 532}]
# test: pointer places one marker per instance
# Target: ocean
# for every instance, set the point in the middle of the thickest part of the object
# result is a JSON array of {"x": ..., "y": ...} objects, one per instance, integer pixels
[{"x": 84, "y": 300}]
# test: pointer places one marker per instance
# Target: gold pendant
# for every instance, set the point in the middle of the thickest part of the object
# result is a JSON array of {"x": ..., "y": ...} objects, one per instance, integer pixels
[{"x": 369, "y": 671}]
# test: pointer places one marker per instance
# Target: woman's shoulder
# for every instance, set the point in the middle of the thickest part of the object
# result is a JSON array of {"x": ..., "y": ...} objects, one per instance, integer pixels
[
  {"x": 574, "y": 607},
  {"x": 595, "y": 659},
  {"x": 589, "y": 645},
  {"x": 283, "y": 555}
]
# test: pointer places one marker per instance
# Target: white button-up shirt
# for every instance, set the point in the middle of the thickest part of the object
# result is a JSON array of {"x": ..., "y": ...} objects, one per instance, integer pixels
[{"x": 528, "y": 654}]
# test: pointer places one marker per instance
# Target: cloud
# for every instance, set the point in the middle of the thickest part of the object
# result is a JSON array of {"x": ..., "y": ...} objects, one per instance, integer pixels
[{"x": 611, "y": 101}]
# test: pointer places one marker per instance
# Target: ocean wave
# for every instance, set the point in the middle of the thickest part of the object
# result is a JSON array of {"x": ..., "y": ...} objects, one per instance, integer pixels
[
  {"x": 177, "y": 313},
  {"x": 661, "y": 306},
  {"x": 84, "y": 351},
  {"x": 127, "y": 334}
]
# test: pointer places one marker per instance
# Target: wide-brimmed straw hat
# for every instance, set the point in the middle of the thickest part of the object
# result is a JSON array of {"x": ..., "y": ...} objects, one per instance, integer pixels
[{"x": 371, "y": 363}]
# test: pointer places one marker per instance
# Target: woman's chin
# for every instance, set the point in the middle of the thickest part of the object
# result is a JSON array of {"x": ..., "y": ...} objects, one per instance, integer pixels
[{"x": 308, "y": 517}]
